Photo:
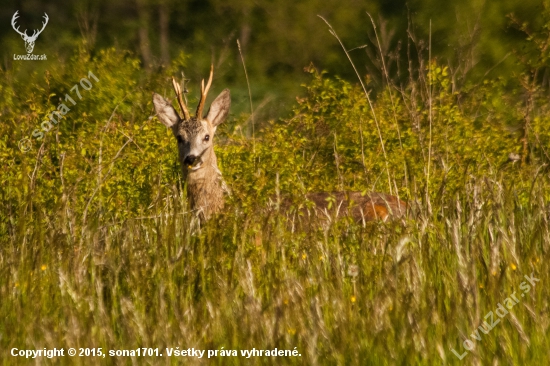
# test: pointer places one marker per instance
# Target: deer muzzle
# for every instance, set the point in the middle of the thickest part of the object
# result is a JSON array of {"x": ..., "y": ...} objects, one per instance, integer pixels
[{"x": 193, "y": 162}]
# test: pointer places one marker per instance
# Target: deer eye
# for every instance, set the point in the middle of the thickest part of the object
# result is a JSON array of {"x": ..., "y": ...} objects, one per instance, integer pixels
[
  {"x": 180, "y": 140},
  {"x": 207, "y": 137}
]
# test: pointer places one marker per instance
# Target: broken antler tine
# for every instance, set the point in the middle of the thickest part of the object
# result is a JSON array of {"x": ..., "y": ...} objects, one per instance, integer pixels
[{"x": 183, "y": 107}]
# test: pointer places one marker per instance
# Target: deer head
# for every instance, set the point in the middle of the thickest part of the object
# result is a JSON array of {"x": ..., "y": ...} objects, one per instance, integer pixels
[
  {"x": 194, "y": 135},
  {"x": 29, "y": 40}
]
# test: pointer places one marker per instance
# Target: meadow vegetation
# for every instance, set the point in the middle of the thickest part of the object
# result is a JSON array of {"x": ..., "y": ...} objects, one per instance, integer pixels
[{"x": 96, "y": 246}]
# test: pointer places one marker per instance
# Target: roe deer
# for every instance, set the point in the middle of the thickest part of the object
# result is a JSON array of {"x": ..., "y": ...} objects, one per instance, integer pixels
[
  {"x": 195, "y": 137},
  {"x": 205, "y": 185}
]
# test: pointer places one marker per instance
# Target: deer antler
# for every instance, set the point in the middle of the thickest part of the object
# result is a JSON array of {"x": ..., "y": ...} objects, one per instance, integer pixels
[
  {"x": 13, "y": 19},
  {"x": 24, "y": 34},
  {"x": 204, "y": 91},
  {"x": 184, "y": 109},
  {"x": 34, "y": 34}
]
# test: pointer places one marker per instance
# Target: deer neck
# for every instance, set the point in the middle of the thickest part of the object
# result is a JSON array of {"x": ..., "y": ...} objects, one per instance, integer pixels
[{"x": 205, "y": 187}]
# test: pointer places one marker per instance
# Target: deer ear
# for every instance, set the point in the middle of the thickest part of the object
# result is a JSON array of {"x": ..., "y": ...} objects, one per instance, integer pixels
[
  {"x": 219, "y": 109},
  {"x": 165, "y": 112}
]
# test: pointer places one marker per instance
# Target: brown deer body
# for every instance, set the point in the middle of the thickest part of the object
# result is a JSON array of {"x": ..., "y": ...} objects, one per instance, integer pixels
[
  {"x": 205, "y": 185},
  {"x": 361, "y": 207}
]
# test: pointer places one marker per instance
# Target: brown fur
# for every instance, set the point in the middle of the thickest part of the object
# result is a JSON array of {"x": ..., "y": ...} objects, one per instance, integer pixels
[
  {"x": 195, "y": 138},
  {"x": 368, "y": 207},
  {"x": 205, "y": 188}
]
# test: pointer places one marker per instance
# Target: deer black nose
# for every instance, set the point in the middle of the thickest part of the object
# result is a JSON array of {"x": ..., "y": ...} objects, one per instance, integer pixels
[{"x": 190, "y": 159}]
